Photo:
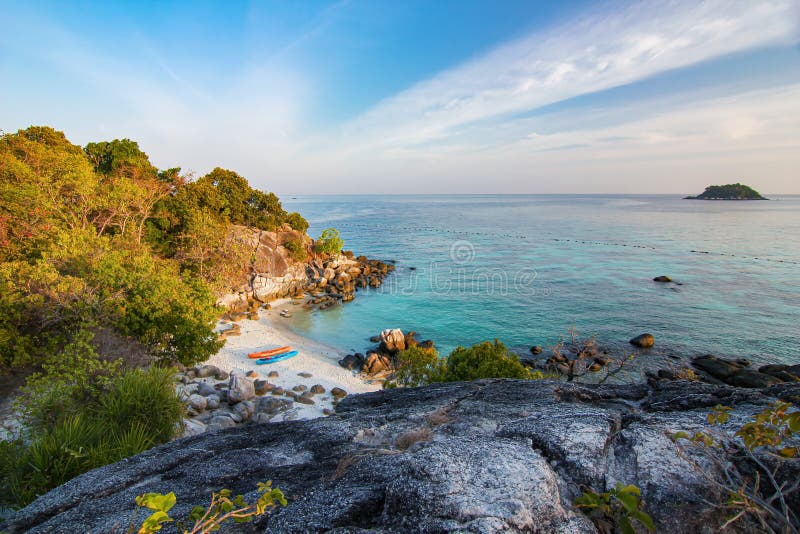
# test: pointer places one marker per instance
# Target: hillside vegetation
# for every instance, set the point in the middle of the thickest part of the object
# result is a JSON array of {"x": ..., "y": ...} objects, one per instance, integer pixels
[{"x": 106, "y": 264}]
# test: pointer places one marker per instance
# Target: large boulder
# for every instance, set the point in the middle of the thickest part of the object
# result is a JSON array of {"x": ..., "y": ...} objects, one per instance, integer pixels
[
  {"x": 392, "y": 341},
  {"x": 486, "y": 456},
  {"x": 376, "y": 363},
  {"x": 240, "y": 389}
]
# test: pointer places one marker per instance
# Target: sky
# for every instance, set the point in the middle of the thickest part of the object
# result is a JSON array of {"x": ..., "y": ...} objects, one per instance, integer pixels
[{"x": 438, "y": 96}]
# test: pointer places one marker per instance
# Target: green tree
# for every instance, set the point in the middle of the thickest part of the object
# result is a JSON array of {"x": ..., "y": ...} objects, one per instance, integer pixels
[{"x": 484, "y": 360}]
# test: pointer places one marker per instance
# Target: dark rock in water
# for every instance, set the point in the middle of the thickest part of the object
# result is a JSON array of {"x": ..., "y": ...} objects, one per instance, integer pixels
[
  {"x": 786, "y": 373},
  {"x": 644, "y": 341},
  {"x": 509, "y": 456},
  {"x": 536, "y": 349},
  {"x": 747, "y": 378},
  {"x": 719, "y": 368},
  {"x": 427, "y": 344},
  {"x": 662, "y": 278},
  {"x": 375, "y": 339}
]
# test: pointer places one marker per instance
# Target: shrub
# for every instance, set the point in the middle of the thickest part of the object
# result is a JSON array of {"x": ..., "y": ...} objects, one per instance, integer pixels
[
  {"x": 485, "y": 360},
  {"x": 296, "y": 249},
  {"x": 297, "y": 221},
  {"x": 329, "y": 242},
  {"x": 81, "y": 432},
  {"x": 416, "y": 366}
]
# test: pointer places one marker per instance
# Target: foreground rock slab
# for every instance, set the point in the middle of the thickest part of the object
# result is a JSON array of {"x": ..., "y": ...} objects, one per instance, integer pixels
[{"x": 486, "y": 456}]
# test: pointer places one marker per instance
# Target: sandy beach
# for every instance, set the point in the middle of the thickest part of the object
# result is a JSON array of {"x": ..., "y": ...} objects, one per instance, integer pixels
[{"x": 317, "y": 359}]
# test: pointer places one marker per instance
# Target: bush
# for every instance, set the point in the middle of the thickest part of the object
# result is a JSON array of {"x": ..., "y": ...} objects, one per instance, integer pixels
[
  {"x": 416, "y": 366},
  {"x": 297, "y": 221},
  {"x": 485, "y": 360},
  {"x": 329, "y": 242},
  {"x": 137, "y": 411},
  {"x": 296, "y": 249}
]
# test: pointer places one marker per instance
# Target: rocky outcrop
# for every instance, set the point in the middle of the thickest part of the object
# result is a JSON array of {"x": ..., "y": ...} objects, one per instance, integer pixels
[
  {"x": 486, "y": 456},
  {"x": 273, "y": 272}
]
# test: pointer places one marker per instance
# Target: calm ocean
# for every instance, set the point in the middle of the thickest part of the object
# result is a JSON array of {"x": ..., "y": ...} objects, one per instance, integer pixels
[{"x": 524, "y": 269}]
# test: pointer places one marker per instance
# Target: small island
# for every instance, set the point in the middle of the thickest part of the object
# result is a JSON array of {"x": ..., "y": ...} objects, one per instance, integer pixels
[{"x": 735, "y": 191}]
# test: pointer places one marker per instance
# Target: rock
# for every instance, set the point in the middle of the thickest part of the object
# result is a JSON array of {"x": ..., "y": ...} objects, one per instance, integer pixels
[
  {"x": 273, "y": 374},
  {"x": 212, "y": 402},
  {"x": 376, "y": 363},
  {"x": 536, "y": 349},
  {"x": 251, "y": 374},
  {"x": 205, "y": 389},
  {"x": 317, "y": 389},
  {"x": 300, "y": 388},
  {"x": 375, "y": 339},
  {"x": 221, "y": 421},
  {"x": 245, "y": 409},
  {"x": 240, "y": 389},
  {"x": 303, "y": 399},
  {"x": 272, "y": 406},
  {"x": 411, "y": 340},
  {"x": 207, "y": 371},
  {"x": 719, "y": 368},
  {"x": 198, "y": 402},
  {"x": 512, "y": 457},
  {"x": 784, "y": 372},
  {"x": 223, "y": 395},
  {"x": 192, "y": 427},
  {"x": 392, "y": 341},
  {"x": 644, "y": 341},
  {"x": 352, "y": 362},
  {"x": 338, "y": 393},
  {"x": 747, "y": 378},
  {"x": 305, "y": 374},
  {"x": 662, "y": 278},
  {"x": 262, "y": 386},
  {"x": 427, "y": 344},
  {"x": 222, "y": 375},
  {"x": 278, "y": 391}
]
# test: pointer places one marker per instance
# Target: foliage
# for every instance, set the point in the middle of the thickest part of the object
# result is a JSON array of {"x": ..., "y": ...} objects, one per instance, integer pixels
[
  {"x": 416, "y": 366},
  {"x": 223, "y": 508},
  {"x": 74, "y": 428},
  {"x": 772, "y": 433},
  {"x": 618, "y": 507},
  {"x": 735, "y": 191},
  {"x": 297, "y": 222},
  {"x": 329, "y": 242},
  {"x": 297, "y": 251},
  {"x": 485, "y": 360}
]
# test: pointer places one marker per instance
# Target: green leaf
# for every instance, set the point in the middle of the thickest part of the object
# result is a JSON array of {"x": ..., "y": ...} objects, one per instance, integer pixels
[
  {"x": 794, "y": 422},
  {"x": 644, "y": 519},
  {"x": 625, "y": 526},
  {"x": 788, "y": 452},
  {"x": 154, "y": 522},
  {"x": 157, "y": 501},
  {"x": 197, "y": 513},
  {"x": 629, "y": 501}
]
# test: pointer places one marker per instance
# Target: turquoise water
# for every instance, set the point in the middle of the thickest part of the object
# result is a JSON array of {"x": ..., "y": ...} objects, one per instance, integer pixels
[{"x": 525, "y": 269}]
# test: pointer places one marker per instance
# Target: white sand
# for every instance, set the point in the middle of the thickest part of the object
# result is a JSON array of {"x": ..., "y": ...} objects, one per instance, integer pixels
[{"x": 271, "y": 332}]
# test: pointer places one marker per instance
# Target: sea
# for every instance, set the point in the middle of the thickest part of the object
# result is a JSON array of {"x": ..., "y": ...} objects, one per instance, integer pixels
[{"x": 535, "y": 269}]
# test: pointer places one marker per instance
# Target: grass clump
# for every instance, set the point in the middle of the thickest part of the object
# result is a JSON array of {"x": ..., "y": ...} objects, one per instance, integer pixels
[{"x": 71, "y": 430}]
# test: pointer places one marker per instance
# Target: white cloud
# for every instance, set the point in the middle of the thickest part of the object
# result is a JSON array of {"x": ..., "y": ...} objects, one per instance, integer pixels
[{"x": 596, "y": 52}]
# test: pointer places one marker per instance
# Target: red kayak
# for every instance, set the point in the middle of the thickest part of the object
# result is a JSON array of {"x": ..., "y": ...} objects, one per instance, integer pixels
[{"x": 269, "y": 353}]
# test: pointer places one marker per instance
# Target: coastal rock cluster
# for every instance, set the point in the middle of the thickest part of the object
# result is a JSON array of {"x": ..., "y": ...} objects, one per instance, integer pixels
[
  {"x": 486, "y": 456},
  {"x": 379, "y": 362},
  {"x": 715, "y": 370},
  {"x": 274, "y": 272},
  {"x": 216, "y": 399}
]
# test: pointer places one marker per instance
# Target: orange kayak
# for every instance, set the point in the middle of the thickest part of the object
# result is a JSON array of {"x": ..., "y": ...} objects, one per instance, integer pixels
[{"x": 268, "y": 353}]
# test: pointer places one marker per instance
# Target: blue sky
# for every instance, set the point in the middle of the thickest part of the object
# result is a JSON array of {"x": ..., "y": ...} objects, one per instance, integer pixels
[{"x": 372, "y": 96}]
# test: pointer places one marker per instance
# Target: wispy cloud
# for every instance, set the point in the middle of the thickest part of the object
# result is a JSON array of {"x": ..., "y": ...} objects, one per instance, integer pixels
[{"x": 599, "y": 51}]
